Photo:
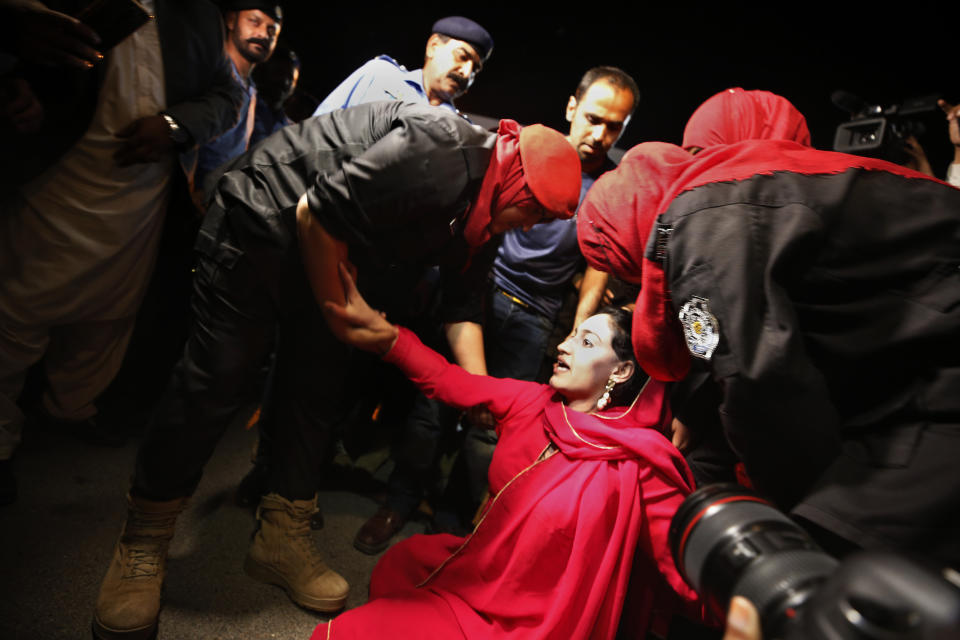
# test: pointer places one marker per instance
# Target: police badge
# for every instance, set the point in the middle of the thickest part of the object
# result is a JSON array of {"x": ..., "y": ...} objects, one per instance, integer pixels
[{"x": 699, "y": 327}]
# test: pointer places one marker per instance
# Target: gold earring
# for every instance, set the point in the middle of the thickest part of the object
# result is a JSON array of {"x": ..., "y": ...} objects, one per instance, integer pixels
[{"x": 605, "y": 398}]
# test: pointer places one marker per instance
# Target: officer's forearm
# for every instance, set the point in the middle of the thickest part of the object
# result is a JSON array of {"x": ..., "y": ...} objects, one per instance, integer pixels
[
  {"x": 321, "y": 253},
  {"x": 592, "y": 288},
  {"x": 466, "y": 344}
]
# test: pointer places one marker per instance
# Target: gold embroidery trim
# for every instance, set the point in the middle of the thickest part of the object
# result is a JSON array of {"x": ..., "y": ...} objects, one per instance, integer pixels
[
  {"x": 493, "y": 501},
  {"x": 563, "y": 408}
]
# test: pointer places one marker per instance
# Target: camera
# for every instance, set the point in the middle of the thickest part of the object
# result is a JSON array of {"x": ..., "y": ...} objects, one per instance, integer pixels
[
  {"x": 877, "y": 131},
  {"x": 728, "y": 541}
]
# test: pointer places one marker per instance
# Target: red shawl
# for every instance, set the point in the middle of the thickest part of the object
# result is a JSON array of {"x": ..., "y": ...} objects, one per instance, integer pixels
[
  {"x": 736, "y": 115},
  {"x": 615, "y": 221},
  {"x": 553, "y": 553}
]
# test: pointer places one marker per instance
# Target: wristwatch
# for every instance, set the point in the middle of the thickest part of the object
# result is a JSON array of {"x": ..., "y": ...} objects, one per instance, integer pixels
[{"x": 179, "y": 135}]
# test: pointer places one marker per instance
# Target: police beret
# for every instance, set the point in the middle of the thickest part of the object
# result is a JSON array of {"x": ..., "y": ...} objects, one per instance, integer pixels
[
  {"x": 467, "y": 30},
  {"x": 272, "y": 9},
  {"x": 551, "y": 167}
]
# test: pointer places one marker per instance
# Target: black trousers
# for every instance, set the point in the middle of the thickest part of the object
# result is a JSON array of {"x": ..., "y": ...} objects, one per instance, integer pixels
[{"x": 240, "y": 314}]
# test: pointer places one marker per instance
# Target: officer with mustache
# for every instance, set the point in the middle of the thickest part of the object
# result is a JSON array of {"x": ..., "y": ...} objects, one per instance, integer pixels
[{"x": 456, "y": 51}]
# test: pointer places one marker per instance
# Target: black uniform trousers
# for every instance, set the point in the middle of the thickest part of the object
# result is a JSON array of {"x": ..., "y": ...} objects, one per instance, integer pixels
[{"x": 240, "y": 313}]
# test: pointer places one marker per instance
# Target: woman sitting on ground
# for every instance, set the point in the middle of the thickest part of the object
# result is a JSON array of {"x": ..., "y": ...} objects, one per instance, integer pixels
[{"x": 583, "y": 487}]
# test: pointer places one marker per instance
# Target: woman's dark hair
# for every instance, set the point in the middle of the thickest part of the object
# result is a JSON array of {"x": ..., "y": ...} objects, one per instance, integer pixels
[{"x": 621, "y": 321}]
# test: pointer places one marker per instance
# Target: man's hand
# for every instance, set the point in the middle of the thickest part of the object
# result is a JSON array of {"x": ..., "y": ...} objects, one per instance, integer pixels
[
  {"x": 952, "y": 111},
  {"x": 918, "y": 157},
  {"x": 54, "y": 38},
  {"x": 480, "y": 417},
  {"x": 356, "y": 323},
  {"x": 466, "y": 345},
  {"x": 20, "y": 107},
  {"x": 145, "y": 140},
  {"x": 743, "y": 622},
  {"x": 592, "y": 289},
  {"x": 680, "y": 435}
]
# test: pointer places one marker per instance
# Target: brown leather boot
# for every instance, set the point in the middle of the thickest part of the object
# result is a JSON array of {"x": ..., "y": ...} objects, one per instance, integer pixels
[
  {"x": 129, "y": 600},
  {"x": 375, "y": 534},
  {"x": 283, "y": 553}
]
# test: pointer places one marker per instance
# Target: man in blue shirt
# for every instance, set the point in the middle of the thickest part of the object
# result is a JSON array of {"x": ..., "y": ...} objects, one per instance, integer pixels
[
  {"x": 534, "y": 269},
  {"x": 252, "y": 30},
  {"x": 455, "y": 54}
]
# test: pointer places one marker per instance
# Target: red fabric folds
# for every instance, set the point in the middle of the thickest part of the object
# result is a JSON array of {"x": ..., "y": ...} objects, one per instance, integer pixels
[
  {"x": 736, "y": 115},
  {"x": 563, "y": 537}
]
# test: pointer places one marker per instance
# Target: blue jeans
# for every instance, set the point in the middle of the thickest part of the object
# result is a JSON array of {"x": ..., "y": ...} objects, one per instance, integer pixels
[{"x": 515, "y": 338}]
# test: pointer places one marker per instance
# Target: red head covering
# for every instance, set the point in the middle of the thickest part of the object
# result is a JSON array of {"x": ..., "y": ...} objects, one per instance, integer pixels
[
  {"x": 617, "y": 218},
  {"x": 553, "y": 169},
  {"x": 736, "y": 115},
  {"x": 528, "y": 164},
  {"x": 613, "y": 226}
]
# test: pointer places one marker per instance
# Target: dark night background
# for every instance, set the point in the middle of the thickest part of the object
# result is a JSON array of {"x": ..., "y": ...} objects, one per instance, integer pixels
[{"x": 679, "y": 53}]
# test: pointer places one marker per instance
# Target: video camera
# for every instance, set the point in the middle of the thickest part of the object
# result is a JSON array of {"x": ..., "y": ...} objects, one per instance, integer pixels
[
  {"x": 880, "y": 132},
  {"x": 727, "y": 541}
]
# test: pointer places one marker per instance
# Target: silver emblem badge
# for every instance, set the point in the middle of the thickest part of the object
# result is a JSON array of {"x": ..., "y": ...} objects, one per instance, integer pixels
[{"x": 699, "y": 327}]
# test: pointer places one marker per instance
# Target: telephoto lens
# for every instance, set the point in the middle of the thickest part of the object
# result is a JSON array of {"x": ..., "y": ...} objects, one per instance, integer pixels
[{"x": 727, "y": 541}]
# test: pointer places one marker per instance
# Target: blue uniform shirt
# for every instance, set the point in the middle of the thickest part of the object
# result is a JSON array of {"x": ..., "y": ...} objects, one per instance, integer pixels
[
  {"x": 382, "y": 78},
  {"x": 536, "y": 266}
]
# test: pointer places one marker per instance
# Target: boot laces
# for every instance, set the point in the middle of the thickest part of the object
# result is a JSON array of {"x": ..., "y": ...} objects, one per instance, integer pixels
[
  {"x": 147, "y": 546},
  {"x": 144, "y": 561},
  {"x": 300, "y": 534}
]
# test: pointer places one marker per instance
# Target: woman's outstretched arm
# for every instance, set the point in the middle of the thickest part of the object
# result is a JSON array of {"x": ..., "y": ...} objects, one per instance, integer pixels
[{"x": 366, "y": 328}]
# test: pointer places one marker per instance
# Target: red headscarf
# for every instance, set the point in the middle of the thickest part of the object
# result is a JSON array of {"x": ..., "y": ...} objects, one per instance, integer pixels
[
  {"x": 550, "y": 176},
  {"x": 616, "y": 219},
  {"x": 503, "y": 184},
  {"x": 736, "y": 115}
]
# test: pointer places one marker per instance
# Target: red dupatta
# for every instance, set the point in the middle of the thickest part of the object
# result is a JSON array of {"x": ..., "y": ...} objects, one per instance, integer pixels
[{"x": 553, "y": 553}]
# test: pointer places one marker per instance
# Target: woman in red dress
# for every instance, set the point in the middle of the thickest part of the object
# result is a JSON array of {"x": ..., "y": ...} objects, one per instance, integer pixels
[{"x": 583, "y": 486}]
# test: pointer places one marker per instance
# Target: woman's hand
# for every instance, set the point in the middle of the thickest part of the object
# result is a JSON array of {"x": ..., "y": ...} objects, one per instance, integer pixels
[{"x": 356, "y": 323}]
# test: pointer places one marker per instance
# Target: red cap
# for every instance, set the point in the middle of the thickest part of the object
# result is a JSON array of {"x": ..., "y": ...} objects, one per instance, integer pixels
[{"x": 551, "y": 167}]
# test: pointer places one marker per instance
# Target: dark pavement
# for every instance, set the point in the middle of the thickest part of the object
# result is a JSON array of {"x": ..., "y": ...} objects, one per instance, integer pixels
[{"x": 56, "y": 541}]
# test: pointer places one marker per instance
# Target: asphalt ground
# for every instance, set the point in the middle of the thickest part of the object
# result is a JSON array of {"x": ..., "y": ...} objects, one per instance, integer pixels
[{"x": 57, "y": 539}]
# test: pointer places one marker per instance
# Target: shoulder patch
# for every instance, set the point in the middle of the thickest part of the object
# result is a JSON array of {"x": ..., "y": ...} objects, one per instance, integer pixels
[
  {"x": 387, "y": 58},
  {"x": 700, "y": 327}
]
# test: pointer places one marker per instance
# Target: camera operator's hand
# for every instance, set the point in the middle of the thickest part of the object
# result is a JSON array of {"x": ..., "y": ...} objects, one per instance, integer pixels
[
  {"x": 743, "y": 621},
  {"x": 952, "y": 111}
]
